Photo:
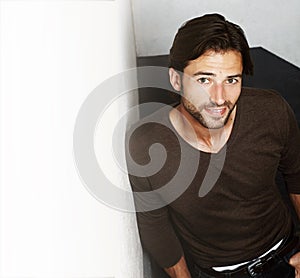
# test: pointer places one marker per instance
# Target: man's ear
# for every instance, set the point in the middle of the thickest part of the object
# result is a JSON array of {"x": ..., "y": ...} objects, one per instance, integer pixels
[{"x": 175, "y": 79}]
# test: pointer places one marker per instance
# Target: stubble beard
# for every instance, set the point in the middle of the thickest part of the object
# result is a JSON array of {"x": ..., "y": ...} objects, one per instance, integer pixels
[{"x": 205, "y": 120}]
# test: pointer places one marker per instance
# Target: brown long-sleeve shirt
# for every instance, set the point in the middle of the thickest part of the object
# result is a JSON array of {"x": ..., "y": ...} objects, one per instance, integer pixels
[{"x": 243, "y": 214}]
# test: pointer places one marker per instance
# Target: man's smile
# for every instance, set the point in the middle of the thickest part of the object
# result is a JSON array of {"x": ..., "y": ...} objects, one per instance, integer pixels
[{"x": 217, "y": 112}]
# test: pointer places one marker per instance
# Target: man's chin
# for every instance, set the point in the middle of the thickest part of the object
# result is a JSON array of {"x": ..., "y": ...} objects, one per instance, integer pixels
[
  {"x": 214, "y": 122},
  {"x": 213, "y": 125}
]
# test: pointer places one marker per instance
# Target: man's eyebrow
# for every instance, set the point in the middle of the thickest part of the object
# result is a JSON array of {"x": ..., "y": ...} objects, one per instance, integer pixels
[
  {"x": 212, "y": 74},
  {"x": 203, "y": 73},
  {"x": 235, "y": 75}
]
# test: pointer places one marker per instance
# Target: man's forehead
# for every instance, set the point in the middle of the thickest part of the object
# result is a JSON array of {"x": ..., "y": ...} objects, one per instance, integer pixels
[{"x": 211, "y": 62}]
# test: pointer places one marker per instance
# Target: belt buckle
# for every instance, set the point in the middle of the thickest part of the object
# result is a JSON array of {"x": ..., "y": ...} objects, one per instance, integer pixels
[{"x": 253, "y": 265}]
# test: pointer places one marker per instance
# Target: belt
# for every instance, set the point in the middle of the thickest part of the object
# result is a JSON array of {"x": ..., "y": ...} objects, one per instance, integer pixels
[
  {"x": 259, "y": 265},
  {"x": 232, "y": 267}
]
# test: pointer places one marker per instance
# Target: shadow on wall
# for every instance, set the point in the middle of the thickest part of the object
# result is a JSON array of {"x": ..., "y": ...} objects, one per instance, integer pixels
[{"x": 270, "y": 72}]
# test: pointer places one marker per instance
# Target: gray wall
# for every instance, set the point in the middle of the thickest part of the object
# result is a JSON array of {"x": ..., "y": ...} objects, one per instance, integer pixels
[{"x": 273, "y": 24}]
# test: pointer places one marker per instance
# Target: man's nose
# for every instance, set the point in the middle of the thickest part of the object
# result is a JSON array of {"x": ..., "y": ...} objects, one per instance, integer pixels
[{"x": 217, "y": 94}]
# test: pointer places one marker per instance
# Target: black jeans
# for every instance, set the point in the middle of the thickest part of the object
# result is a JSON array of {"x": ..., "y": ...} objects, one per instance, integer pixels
[{"x": 280, "y": 269}]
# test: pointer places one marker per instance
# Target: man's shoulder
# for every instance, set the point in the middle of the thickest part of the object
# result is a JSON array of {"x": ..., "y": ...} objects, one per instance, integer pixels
[
  {"x": 267, "y": 105},
  {"x": 150, "y": 125},
  {"x": 261, "y": 93},
  {"x": 257, "y": 97},
  {"x": 154, "y": 128}
]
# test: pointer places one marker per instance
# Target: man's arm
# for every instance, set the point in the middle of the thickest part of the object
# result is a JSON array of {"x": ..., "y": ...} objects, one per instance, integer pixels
[
  {"x": 295, "y": 260},
  {"x": 179, "y": 270},
  {"x": 295, "y": 198},
  {"x": 289, "y": 166}
]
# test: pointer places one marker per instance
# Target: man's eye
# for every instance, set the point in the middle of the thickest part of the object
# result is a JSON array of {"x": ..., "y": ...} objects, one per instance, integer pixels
[
  {"x": 232, "y": 81},
  {"x": 203, "y": 80}
]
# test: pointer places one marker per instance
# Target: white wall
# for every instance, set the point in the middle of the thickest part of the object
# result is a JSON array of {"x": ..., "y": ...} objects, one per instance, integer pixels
[
  {"x": 273, "y": 24},
  {"x": 53, "y": 54}
]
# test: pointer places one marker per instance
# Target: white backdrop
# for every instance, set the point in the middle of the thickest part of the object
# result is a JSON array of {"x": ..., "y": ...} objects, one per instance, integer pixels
[
  {"x": 53, "y": 54},
  {"x": 273, "y": 24}
]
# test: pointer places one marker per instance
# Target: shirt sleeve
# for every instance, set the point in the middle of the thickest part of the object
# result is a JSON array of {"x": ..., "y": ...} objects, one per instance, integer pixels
[
  {"x": 290, "y": 157},
  {"x": 157, "y": 235}
]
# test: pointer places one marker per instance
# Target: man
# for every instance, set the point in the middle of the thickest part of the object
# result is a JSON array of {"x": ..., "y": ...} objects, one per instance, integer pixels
[{"x": 240, "y": 226}]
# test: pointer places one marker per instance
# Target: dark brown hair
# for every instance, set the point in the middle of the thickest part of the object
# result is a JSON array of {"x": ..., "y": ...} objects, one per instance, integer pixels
[{"x": 208, "y": 32}]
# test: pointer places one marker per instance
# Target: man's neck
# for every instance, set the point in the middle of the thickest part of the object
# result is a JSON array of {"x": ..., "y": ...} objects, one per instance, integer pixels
[{"x": 200, "y": 137}]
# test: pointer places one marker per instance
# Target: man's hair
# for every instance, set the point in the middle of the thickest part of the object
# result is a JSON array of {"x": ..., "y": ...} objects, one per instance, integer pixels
[{"x": 208, "y": 32}]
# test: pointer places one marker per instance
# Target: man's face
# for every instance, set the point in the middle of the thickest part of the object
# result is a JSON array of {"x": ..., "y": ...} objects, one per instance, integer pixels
[{"x": 211, "y": 86}]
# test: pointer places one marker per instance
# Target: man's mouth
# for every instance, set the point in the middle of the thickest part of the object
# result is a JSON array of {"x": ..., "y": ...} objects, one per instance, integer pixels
[{"x": 216, "y": 111}]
